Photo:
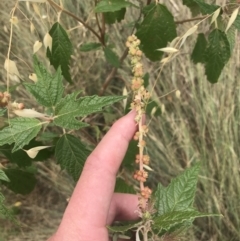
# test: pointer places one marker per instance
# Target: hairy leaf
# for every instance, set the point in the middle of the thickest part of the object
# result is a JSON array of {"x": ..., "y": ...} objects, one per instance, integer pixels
[
  {"x": 20, "y": 131},
  {"x": 21, "y": 182},
  {"x": 156, "y": 30},
  {"x": 111, "y": 5},
  {"x": 3, "y": 176},
  {"x": 112, "y": 17},
  {"x": 89, "y": 47},
  {"x": 61, "y": 50},
  {"x": 71, "y": 154},
  {"x": 217, "y": 54},
  {"x": 179, "y": 195},
  {"x": 111, "y": 57},
  {"x": 70, "y": 107},
  {"x": 48, "y": 89},
  {"x": 170, "y": 219},
  {"x": 199, "y": 49},
  {"x": 122, "y": 187}
]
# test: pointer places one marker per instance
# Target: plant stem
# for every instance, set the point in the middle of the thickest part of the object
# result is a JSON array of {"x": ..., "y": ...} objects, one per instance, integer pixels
[
  {"x": 53, "y": 4},
  {"x": 191, "y": 19}
]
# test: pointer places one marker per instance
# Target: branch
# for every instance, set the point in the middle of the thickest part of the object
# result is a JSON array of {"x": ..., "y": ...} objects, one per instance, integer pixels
[
  {"x": 53, "y": 4},
  {"x": 191, "y": 19}
]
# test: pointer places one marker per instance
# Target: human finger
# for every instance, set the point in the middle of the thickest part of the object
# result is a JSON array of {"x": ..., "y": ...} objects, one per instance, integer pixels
[
  {"x": 93, "y": 193},
  {"x": 123, "y": 207}
]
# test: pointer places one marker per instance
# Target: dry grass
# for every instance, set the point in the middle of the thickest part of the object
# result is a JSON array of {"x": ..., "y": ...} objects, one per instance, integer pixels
[{"x": 203, "y": 125}]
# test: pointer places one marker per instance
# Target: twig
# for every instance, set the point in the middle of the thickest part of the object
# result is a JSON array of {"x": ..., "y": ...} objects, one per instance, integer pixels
[
  {"x": 52, "y": 3},
  {"x": 191, "y": 19}
]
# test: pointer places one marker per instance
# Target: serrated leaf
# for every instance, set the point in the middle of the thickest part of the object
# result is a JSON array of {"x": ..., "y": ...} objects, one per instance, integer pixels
[
  {"x": 111, "y": 57},
  {"x": 123, "y": 229},
  {"x": 217, "y": 54},
  {"x": 153, "y": 32},
  {"x": 2, "y": 111},
  {"x": 71, "y": 154},
  {"x": 20, "y": 131},
  {"x": 199, "y": 49},
  {"x": 122, "y": 187},
  {"x": 206, "y": 8},
  {"x": 179, "y": 195},
  {"x": 170, "y": 219},
  {"x": 3, "y": 176},
  {"x": 89, "y": 47},
  {"x": 62, "y": 50},
  {"x": 70, "y": 107},
  {"x": 112, "y": 17},
  {"x": 48, "y": 89},
  {"x": 111, "y": 5},
  {"x": 21, "y": 182}
]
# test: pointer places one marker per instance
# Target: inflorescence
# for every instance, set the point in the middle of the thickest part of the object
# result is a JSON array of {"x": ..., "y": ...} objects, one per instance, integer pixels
[{"x": 140, "y": 99}]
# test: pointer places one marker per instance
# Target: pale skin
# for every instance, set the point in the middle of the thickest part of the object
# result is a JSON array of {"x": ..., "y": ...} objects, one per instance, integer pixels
[{"x": 93, "y": 204}]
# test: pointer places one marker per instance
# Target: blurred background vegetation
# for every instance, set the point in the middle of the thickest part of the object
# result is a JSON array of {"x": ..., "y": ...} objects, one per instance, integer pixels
[{"x": 201, "y": 125}]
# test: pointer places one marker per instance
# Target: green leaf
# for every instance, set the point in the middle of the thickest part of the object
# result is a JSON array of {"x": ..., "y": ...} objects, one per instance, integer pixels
[
  {"x": 2, "y": 111},
  {"x": 112, "y": 17},
  {"x": 130, "y": 155},
  {"x": 48, "y": 89},
  {"x": 122, "y": 187},
  {"x": 179, "y": 195},
  {"x": 124, "y": 228},
  {"x": 157, "y": 29},
  {"x": 62, "y": 50},
  {"x": 206, "y": 8},
  {"x": 111, "y": 5},
  {"x": 3, "y": 176},
  {"x": 237, "y": 23},
  {"x": 111, "y": 57},
  {"x": 21, "y": 158},
  {"x": 70, "y": 107},
  {"x": 21, "y": 182},
  {"x": 170, "y": 219},
  {"x": 20, "y": 131},
  {"x": 216, "y": 55},
  {"x": 89, "y": 47},
  {"x": 199, "y": 49},
  {"x": 231, "y": 36},
  {"x": 146, "y": 79},
  {"x": 5, "y": 211},
  {"x": 153, "y": 109},
  {"x": 193, "y": 6},
  {"x": 71, "y": 154}
]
